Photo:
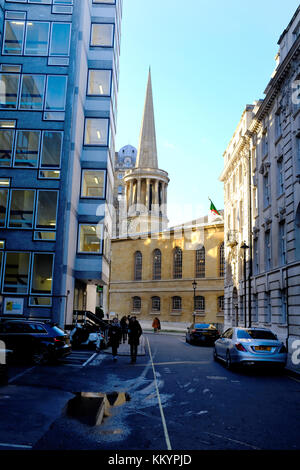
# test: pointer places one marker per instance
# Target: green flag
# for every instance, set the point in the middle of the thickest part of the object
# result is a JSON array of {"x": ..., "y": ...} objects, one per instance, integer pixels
[{"x": 213, "y": 209}]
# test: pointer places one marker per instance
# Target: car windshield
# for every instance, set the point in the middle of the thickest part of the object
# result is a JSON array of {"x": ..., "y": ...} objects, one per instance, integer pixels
[
  {"x": 256, "y": 334},
  {"x": 57, "y": 331}
]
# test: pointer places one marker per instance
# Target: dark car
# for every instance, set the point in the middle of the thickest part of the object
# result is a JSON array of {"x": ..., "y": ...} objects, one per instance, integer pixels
[
  {"x": 202, "y": 333},
  {"x": 36, "y": 341}
]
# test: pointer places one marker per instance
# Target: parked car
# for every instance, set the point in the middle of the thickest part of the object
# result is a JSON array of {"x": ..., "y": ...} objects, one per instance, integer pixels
[
  {"x": 36, "y": 341},
  {"x": 250, "y": 346},
  {"x": 201, "y": 333}
]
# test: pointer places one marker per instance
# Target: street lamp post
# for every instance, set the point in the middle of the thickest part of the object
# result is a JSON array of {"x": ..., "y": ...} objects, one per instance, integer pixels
[
  {"x": 245, "y": 247},
  {"x": 194, "y": 284}
]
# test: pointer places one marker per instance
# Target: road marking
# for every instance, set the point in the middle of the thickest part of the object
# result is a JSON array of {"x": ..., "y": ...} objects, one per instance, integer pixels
[
  {"x": 176, "y": 362},
  {"x": 89, "y": 360},
  {"x": 232, "y": 440},
  {"x": 215, "y": 377},
  {"x": 159, "y": 402},
  {"x": 19, "y": 446},
  {"x": 21, "y": 374},
  {"x": 293, "y": 378}
]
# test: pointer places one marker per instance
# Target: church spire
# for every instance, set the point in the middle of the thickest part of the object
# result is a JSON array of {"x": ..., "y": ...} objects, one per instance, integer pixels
[{"x": 147, "y": 151}]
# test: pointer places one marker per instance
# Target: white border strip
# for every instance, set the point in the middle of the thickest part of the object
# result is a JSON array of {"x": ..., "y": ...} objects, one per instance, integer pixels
[
  {"x": 89, "y": 360},
  {"x": 20, "y": 375},
  {"x": 22, "y": 446},
  {"x": 159, "y": 402}
]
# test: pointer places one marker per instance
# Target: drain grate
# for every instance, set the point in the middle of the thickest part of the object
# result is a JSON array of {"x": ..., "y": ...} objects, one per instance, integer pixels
[{"x": 91, "y": 408}]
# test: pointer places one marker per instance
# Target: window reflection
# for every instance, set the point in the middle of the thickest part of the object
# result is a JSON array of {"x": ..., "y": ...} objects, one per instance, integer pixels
[
  {"x": 16, "y": 273},
  {"x": 14, "y": 36},
  {"x": 56, "y": 92},
  {"x": 21, "y": 208},
  {"x": 32, "y": 93},
  {"x": 9, "y": 85},
  {"x": 37, "y": 34},
  {"x": 102, "y": 35},
  {"x": 46, "y": 209},
  {"x": 27, "y": 148}
]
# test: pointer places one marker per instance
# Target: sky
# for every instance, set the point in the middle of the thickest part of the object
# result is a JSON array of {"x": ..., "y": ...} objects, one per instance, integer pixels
[{"x": 208, "y": 60}]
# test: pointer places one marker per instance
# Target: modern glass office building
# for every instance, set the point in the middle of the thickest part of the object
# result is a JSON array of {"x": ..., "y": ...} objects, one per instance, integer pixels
[{"x": 59, "y": 72}]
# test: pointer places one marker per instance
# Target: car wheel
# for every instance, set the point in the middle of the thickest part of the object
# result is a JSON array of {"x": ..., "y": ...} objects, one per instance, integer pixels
[
  {"x": 228, "y": 361},
  {"x": 40, "y": 356}
]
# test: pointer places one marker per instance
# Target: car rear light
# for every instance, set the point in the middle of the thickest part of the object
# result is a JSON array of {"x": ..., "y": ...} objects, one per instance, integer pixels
[
  {"x": 60, "y": 339},
  {"x": 193, "y": 331},
  {"x": 283, "y": 349},
  {"x": 240, "y": 347}
]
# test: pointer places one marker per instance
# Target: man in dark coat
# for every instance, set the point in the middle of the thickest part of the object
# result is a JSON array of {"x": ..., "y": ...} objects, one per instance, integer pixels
[
  {"x": 134, "y": 333},
  {"x": 115, "y": 335}
]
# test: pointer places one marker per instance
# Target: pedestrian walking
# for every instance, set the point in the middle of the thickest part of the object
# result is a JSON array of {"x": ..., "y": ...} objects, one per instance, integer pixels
[
  {"x": 134, "y": 333},
  {"x": 115, "y": 336},
  {"x": 156, "y": 324},
  {"x": 124, "y": 326}
]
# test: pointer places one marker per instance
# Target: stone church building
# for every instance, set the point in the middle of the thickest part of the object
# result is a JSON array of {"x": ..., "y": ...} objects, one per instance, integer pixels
[{"x": 176, "y": 274}]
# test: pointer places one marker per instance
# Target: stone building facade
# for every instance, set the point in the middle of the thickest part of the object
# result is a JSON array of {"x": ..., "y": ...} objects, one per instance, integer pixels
[{"x": 268, "y": 148}]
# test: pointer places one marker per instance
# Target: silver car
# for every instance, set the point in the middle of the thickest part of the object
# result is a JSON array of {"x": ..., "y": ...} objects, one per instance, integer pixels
[{"x": 250, "y": 346}]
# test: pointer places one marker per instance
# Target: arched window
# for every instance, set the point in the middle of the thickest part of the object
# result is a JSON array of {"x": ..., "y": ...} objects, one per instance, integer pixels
[
  {"x": 138, "y": 262},
  {"x": 199, "y": 303},
  {"x": 200, "y": 262},
  {"x": 155, "y": 304},
  {"x": 221, "y": 260},
  {"x": 136, "y": 304},
  {"x": 177, "y": 263},
  {"x": 176, "y": 303},
  {"x": 156, "y": 264}
]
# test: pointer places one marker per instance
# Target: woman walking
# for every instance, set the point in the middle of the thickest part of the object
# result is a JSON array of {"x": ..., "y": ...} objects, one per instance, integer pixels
[
  {"x": 156, "y": 324},
  {"x": 124, "y": 325}
]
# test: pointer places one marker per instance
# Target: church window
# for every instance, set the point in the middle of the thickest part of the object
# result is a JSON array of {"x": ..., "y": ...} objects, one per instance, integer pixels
[
  {"x": 177, "y": 263},
  {"x": 138, "y": 261},
  {"x": 199, "y": 304},
  {"x": 136, "y": 304},
  {"x": 200, "y": 262},
  {"x": 156, "y": 264},
  {"x": 155, "y": 304},
  {"x": 176, "y": 303}
]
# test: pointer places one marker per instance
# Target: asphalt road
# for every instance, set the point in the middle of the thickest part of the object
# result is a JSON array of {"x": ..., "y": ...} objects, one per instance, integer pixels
[{"x": 174, "y": 398}]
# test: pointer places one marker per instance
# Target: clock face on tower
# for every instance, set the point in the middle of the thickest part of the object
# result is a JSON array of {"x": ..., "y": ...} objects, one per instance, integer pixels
[{"x": 127, "y": 161}]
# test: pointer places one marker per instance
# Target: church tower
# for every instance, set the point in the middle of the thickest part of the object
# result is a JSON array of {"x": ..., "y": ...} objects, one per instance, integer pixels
[{"x": 146, "y": 185}]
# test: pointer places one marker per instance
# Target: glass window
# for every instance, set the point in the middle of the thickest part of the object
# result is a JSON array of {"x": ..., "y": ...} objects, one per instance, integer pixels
[
  {"x": 282, "y": 243},
  {"x": 27, "y": 148},
  {"x": 102, "y": 35},
  {"x": 155, "y": 304},
  {"x": 138, "y": 265},
  {"x": 41, "y": 282},
  {"x": 93, "y": 183},
  {"x": 221, "y": 260},
  {"x": 14, "y": 37},
  {"x": 3, "y": 206},
  {"x": 99, "y": 82},
  {"x": 199, "y": 303},
  {"x": 16, "y": 273},
  {"x": 267, "y": 250},
  {"x": 60, "y": 39},
  {"x": 136, "y": 304},
  {"x": 176, "y": 303},
  {"x": 51, "y": 149},
  {"x": 177, "y": 263},
  {"x": 47, "y": 236},
  {"x": 89, "y": 241},
  {"x": 62, "y": 2},
  {"x": 280, "y": 177},
  {"x": 200, "y": 262},
  {"x": 47, "y": 2},
  {"x": 40, "y": 301},
  {"x": 46, "y": 209},
  {"x": 21, "y": 208},
  {"x": 37, "y": 34},
  {"x": 6, "y": 143},
  {"x": 156, "y": 264},
  {"x": 256, "y": 334},
  {"x": 96, "y": 131},
  {"x": 56, "y": 92},
  {"x": 221, "y": 303},
  {"x": 9, "y": 86},
  {"x": 32, "y": 93},
  {"x": 112, "y": 2}
]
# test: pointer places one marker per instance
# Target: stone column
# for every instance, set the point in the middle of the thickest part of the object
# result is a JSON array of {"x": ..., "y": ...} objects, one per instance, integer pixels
[
  {"x": 156, "y": 197},
  {"x": 130, "y": 192},
  {"x": 139, "y": 183},
  {"x": 147, "y": 193}
]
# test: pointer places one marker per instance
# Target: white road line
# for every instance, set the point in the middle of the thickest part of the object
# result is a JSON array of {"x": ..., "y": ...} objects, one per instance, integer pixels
[
  {"x": 159, "y": 402},
  {"x": 293, "y": 378},
  {"x": 19, "y": 446},
  {"x": 20, "y": 375},
  {"x": 232, "y": 440},
  {"x": 89, "y": 360}
]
